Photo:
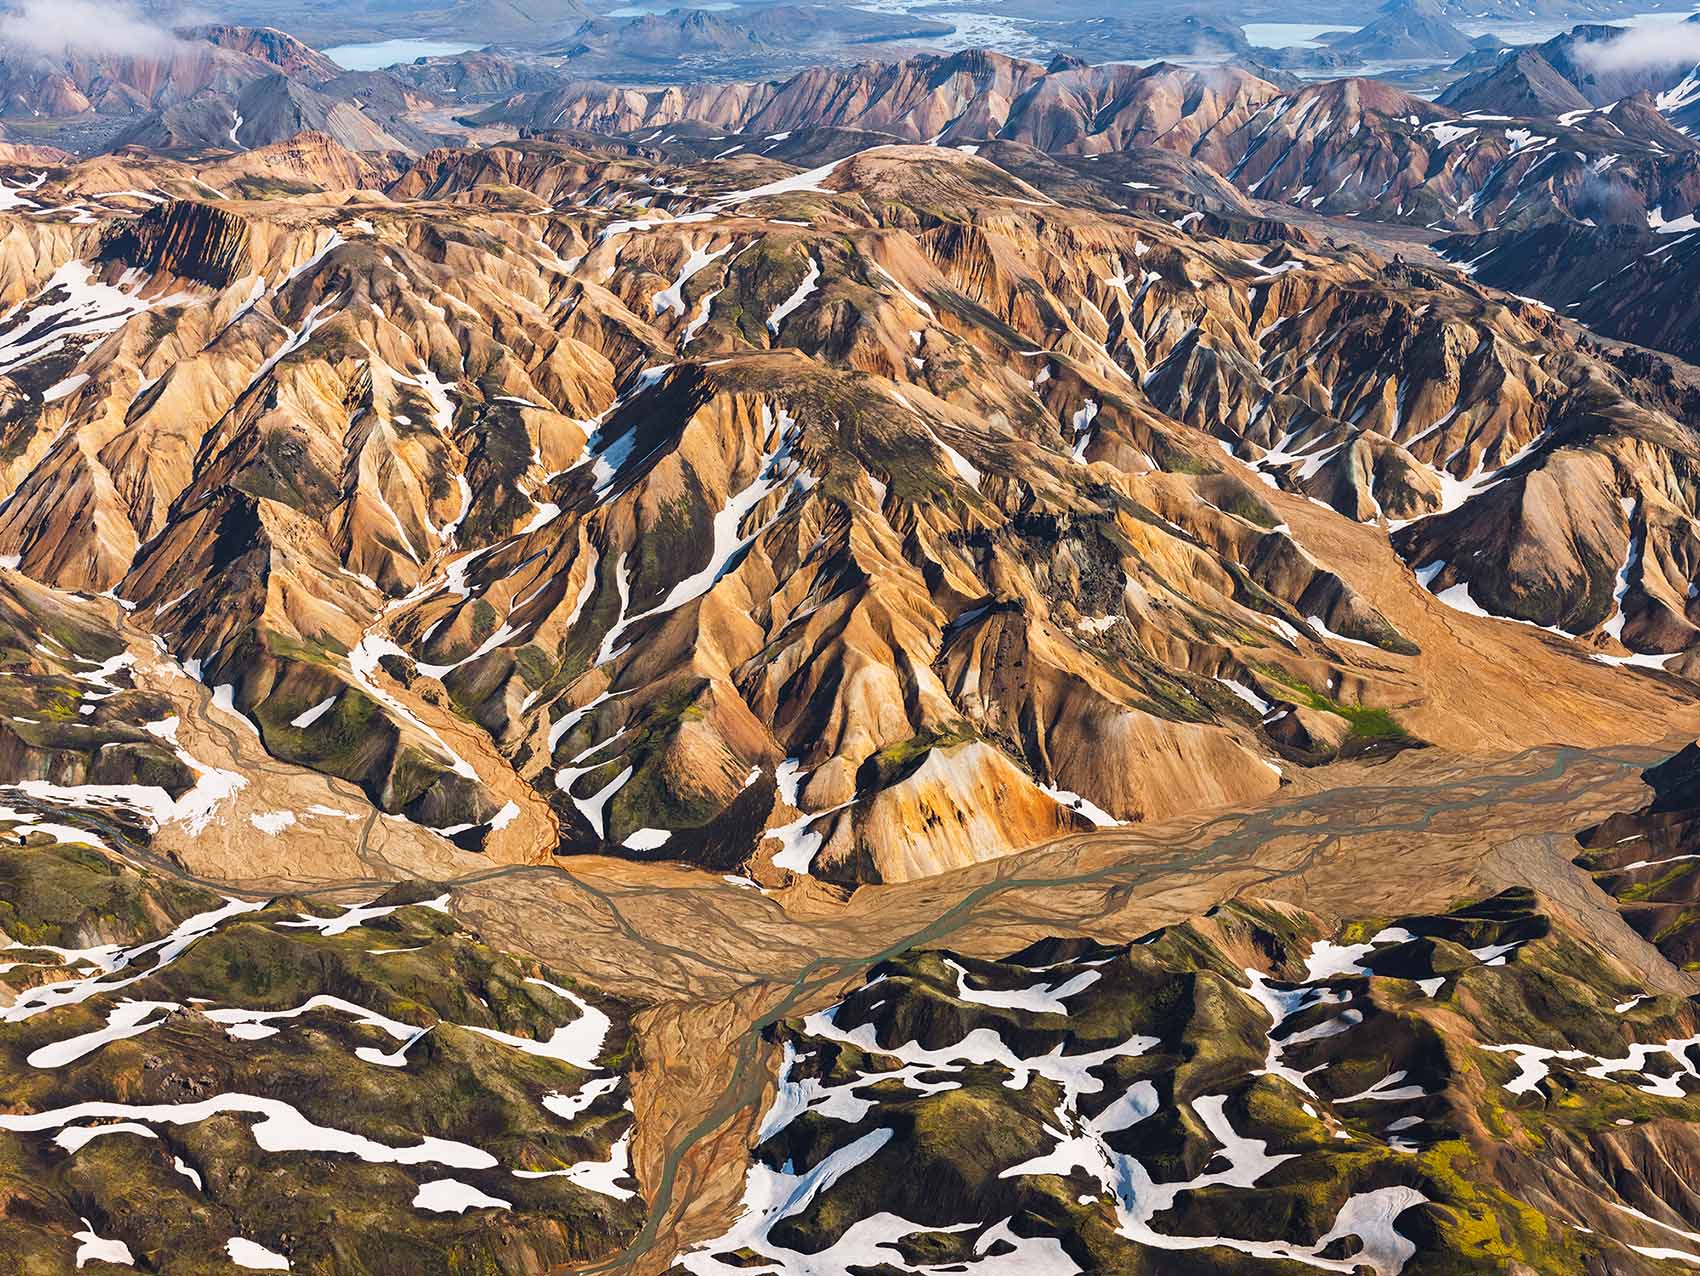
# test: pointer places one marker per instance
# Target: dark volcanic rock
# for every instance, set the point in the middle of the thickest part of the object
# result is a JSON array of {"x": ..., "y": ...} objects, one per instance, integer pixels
[{"x": 193, "y": 240}]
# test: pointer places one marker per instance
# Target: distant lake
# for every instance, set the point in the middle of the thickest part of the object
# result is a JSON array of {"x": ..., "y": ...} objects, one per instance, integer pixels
[
  {"x": 666, "y": 6},
  {"x": 1290, "y": 35},
  {"x": 375, "y": 57}
]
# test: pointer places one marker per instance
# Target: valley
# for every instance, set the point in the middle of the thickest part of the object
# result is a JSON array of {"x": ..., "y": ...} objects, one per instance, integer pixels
[
  {"x": 925, "y": 663},
  {"x": 1455, "y": 829}
]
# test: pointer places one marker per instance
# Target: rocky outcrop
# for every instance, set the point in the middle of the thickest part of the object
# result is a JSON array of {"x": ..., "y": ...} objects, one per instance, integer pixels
[
  {"x": 1610, "y": 271},
  {"x": 211, "y": 59},
  {"x": 267, "y": 44},
  {"x": 1646, "y": 858},
  {"x": 269, "y": 110},
  {"x": 199, "y": 242},
  {"x": 924, "y": 811},
  {"x": 1523, "y": 83}
]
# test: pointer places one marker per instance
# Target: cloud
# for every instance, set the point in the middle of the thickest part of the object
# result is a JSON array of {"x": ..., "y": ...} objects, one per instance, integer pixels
[
  {"x": 54, "y": 28},
  {"x": 1657, "y": 44}
]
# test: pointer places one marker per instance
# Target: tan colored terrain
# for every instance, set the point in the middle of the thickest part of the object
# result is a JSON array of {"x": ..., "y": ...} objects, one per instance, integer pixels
[
  {"x": 722, "y": 578},
  {"x": 864, "y": 523}
]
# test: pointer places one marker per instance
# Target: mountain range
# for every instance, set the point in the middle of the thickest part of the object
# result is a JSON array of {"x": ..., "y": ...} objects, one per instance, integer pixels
[
  {"x": 925, "y": 664},
  {"x": 339, "y": 483}
]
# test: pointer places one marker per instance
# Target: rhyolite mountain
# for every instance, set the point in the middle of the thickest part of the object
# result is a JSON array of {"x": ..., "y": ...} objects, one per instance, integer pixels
[
  {"x": 1347, "y": 147},
  {"x": 1521, "y": 84},
  {"x": 808, "y": 522},
  {"x": 216, "y": 86},
  {"x": 1646, "y": 858},
  {"x": 857, "y": 523},
  {"x": 947, "y": 665}
]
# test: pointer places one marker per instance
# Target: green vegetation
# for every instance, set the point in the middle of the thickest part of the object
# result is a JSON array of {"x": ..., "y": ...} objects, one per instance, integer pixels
[
  {"x": 661, "y": 793},
  {"x": 1238, "y": 499},
  {"x": 56, "y": 894},
  {"x": 1469, "y": 1147},
  {"x": 328, "y": 1212},
  {"x": 1369, "y": 724},
  {"x": 897, "y": 761},
  {"x": 1172, "y": 458}
]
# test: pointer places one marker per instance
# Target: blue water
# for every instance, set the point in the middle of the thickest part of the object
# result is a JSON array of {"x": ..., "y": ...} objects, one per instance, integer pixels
[
  {"x": 664, "y": 6},
  {"x": 1290, "y": 35},
  {"x": 375, "y": 57}
]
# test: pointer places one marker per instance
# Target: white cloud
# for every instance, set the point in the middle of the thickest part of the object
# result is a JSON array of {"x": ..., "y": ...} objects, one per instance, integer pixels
[
  {"x": 1657, "y": 44},
  {"x": 53, "y": 28}
]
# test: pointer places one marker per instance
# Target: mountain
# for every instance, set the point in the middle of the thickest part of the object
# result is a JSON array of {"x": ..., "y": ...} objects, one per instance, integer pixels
[
  {"x": 1510, "y": 145},
  {"x": 953, "y": 665},
  {"x": 217, "y": 59},
  {"x": 1522, "y": 84},
  {"x": 218, "y": 86},
  {"x": 1250, "y": 1087},
  {"x": 673, "y": 525},
  {"x": 464, "y": 77},
  {"x": 269, "y": 45},
  {"x": 1609, "y": 243},
  {"x": 1643, "y": 858},
  {"x": 313, "y": 1078},
  {"x": 1404, "y": 30},
  {"x": 1350, "y": 147},
  {"x": 267, "y": 111},
  {"x": 1566, "y": 74},
  {"x": 1620, "y": 278}
]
